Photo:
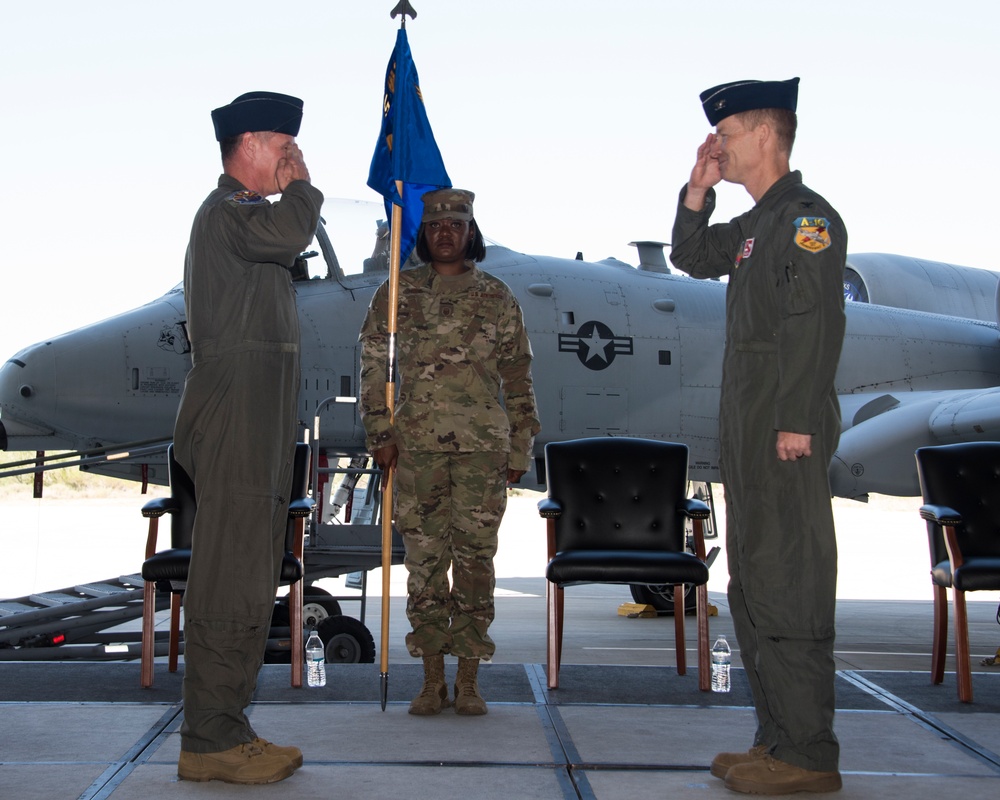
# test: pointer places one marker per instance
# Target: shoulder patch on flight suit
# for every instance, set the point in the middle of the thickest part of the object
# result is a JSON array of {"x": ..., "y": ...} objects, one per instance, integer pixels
[
  {"x": 745, "y": 253},
  {"x": 245, "y": 197},
  {"x": 812, "y": 233}
]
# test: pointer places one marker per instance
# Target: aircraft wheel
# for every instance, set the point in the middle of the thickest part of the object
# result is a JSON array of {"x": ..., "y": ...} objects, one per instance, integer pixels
[
  {"x": 662, "y": 597},
  {"x": 317, "y": 606},
  {"x": 347, "y": 641}
]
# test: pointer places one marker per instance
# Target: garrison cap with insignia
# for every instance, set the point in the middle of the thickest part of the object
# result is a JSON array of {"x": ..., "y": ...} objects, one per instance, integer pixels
[
  {"x": 727, "y": 99},
  {"x": 448, "y": 204},
  {"x": 258, "y": 111}
]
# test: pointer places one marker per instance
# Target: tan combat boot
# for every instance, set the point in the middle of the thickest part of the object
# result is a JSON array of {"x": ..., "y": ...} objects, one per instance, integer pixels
[
  {"x": 434, "y": 693},
  {"x": 293, "y": 754},
  {"x": 723, "y": 762},
  {"x": 468, "y": 701},
  {"x": 768, "y": 775},
  {"x": 245, "y": 763}
]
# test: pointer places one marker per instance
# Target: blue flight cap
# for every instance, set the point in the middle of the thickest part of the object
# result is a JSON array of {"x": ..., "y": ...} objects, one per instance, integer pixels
[
  {"x": 727, "y": 99},
  {"x": 258, "y": 111}
]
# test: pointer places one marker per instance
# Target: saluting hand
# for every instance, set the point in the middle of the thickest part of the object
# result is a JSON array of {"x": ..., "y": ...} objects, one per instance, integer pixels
[
  {"x": 291, "y": 167},
  {"x": 704, "y": 175}
]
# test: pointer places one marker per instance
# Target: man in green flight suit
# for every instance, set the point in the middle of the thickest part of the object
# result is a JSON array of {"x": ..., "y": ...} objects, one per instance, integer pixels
[
  {"x": 236, "y": 428},
  {"x": 463, "y": 428},
  {"x": 779, "y": 424}
]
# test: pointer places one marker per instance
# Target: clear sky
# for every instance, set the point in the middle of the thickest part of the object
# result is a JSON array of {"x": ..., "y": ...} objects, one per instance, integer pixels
[{"x": 574, "y": 121}]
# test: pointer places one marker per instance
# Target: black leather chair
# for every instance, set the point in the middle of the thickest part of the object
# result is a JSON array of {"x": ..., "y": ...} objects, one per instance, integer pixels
[
  {"x": 166, "y": 570},
  {"x": 615, "y": 513},
  {"x": 960, "y": 484}
]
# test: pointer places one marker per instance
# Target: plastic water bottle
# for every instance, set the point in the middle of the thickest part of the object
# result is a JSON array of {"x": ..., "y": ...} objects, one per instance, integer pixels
[
  {"x": 315, "y": 660},
  {"x": 721, "y": 657}
]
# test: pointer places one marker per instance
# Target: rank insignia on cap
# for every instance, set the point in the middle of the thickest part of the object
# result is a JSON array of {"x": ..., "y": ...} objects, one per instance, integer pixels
[
  {"x": 812, "y": 233},
  {"x": 727, "y": 99},
  {"x": 245, "y": 197}
]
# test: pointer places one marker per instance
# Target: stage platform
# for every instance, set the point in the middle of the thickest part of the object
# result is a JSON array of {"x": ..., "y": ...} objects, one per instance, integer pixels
[{"x": 86, "y": 730}]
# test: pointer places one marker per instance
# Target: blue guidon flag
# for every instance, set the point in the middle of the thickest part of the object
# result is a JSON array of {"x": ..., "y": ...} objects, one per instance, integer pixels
[{"x": 406, "y": 150}]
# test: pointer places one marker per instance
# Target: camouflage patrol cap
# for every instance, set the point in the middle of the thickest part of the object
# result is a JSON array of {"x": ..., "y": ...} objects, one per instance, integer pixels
[
  {"x": 448, "y": 204},
  {"x": 727, "y": 99}
]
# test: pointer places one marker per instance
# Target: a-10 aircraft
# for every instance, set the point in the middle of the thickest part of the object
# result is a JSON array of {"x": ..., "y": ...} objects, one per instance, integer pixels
[{"x": 619, "y": 350}]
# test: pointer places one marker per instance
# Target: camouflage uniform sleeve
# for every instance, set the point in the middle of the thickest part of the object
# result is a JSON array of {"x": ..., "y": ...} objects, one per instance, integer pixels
[
  {"x": 374, "y": 340},
  {"x": 514, "y": 366},
  {"x": 699, "y": 249}
]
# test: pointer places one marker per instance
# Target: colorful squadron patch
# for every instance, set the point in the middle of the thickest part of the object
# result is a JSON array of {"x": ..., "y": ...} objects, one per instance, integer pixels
[
  {"x": 745, "y": 253},
  {"x": 245, "y": 197},
  {"x": 812, "y": 233}
]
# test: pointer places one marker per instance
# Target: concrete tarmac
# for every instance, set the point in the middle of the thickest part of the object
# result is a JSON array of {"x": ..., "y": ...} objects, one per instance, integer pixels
[{"x": 622, "y": 725}]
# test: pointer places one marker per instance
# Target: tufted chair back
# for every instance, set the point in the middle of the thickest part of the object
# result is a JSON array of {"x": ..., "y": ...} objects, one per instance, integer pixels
[
  {"x": 182, "y": 518},
  {"x": 618, "y": 492},
  {"x": 615, "y": 513},
  {"x": 964, "y": 477},
  {"x": 167, "y": 570},
  {"x": 960, "y": 484},
  {"x": 621, "y": 498}
]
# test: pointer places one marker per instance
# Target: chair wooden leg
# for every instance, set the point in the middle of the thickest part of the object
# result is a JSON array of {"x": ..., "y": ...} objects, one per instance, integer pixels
[
  {"x": 939, "y": 648},
  {"x": 175, "y": 630},
  {"x": 704, "y": 659},
  {"x": 560, "y": 609},
  {"x": 148, "y": 634},
  {"x": 296, "y": 597},
  {"x": 554, "y": 621},
  {"x": 679, "y": 628},
  {"x": 963, "y": 667}
]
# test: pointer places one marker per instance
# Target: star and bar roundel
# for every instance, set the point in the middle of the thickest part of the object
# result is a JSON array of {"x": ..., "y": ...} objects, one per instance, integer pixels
[{"x": 595, "y": 344}]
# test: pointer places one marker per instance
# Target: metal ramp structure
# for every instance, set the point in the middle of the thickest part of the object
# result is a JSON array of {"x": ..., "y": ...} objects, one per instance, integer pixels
[
  {"x": 74, "y": 622},
  {"x": 89, "y": 621}
]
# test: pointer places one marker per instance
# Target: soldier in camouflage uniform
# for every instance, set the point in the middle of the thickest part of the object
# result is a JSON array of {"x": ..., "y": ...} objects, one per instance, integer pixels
[{"x": 464, "y": 425}]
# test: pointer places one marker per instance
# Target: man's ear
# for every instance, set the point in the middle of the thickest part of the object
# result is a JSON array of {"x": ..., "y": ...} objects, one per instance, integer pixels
[
  {"x": 764, "y": 133},
  {"x": 248, "y": 144}
]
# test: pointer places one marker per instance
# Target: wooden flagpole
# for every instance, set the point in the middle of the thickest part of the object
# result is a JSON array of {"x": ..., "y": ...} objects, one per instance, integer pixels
[
  {"x": 402, "y": 9},
  {"x": 390, "y": 402}
]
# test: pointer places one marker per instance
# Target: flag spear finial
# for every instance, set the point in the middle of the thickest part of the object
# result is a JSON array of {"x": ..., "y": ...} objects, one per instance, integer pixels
[{"x": 403, "y": 8}]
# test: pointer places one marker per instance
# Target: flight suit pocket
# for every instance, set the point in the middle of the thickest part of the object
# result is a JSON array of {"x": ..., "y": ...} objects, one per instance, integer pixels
[{"x": 793, "y": 290}]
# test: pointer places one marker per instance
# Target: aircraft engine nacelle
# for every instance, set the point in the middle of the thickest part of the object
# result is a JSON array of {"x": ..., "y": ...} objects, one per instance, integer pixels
[{"x": 931, "y": 286}]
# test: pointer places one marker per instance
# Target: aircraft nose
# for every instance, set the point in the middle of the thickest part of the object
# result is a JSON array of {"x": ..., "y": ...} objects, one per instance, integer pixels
[{"x": 26, "y": 395}]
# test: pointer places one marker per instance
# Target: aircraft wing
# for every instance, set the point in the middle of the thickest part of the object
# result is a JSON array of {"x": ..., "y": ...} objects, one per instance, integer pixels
[{"x": 883, "y": 430}]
